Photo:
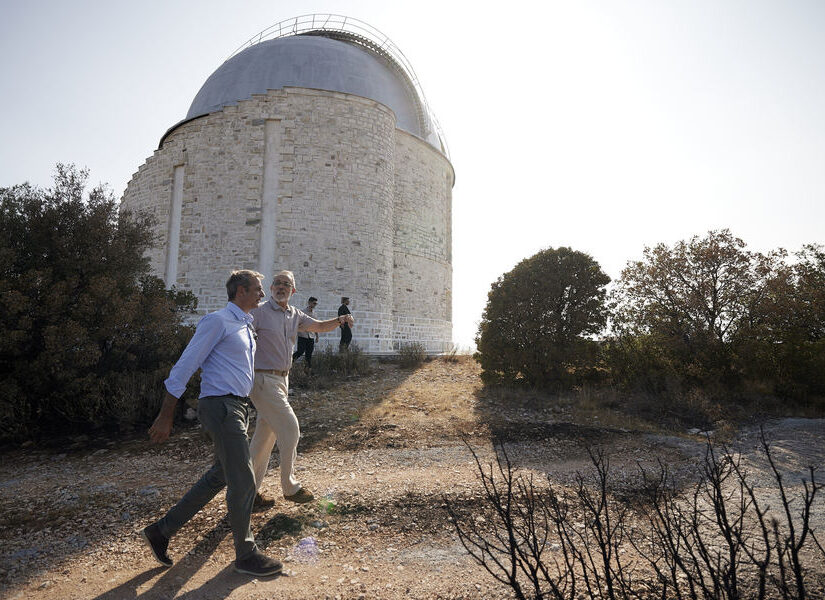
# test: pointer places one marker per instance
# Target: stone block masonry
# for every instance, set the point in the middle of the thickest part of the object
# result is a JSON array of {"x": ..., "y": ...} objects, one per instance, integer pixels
[{"x": 322, "y": 183}]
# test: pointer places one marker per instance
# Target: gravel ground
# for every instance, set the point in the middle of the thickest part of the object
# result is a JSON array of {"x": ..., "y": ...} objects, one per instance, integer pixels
[{"x": 379, "y": 457}]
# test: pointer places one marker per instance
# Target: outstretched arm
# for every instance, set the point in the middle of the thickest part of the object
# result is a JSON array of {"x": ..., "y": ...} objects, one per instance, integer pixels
[{"x": 329, "y": 325}]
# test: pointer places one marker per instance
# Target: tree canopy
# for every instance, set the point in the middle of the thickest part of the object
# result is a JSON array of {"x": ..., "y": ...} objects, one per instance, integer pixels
[
  {"x": 540, "y": 318},
  {"x": 85, "y": 332},
  {"x": 709, "y": 312}
]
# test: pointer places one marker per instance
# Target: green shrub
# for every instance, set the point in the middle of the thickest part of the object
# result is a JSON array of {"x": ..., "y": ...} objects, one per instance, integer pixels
[
  {"x": 707, "y": 314},
  {"x": 539, "y": 320},
  {"x": 412, "y": 355},
  {"x": 86, "y": 335},
  {"x": 331, "y": 362}
]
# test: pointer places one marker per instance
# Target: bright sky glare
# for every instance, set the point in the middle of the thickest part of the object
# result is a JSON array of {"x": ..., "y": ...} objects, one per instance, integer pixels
[{"x": 600, "y": 125}]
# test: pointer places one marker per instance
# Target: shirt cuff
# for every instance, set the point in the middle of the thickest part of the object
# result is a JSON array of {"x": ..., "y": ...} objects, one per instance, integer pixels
[{"x": 174, "y": 389}]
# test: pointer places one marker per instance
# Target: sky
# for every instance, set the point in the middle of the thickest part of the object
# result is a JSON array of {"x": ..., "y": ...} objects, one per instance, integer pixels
[{"x": 605, "y": 126}]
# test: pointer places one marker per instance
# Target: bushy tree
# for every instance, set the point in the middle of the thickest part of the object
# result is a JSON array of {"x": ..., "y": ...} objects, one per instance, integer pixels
[
  {"x": 784, "y": 340},
  {"x": 709, "y": 313},
  {"x": 86, "y": 335},
  {"x": 540, "y": 319},
  {"x": 680, "y": 308}
]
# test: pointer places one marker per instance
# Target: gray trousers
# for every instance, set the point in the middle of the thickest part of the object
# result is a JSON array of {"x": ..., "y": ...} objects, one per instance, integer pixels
[{"x": 225, "y": 419}]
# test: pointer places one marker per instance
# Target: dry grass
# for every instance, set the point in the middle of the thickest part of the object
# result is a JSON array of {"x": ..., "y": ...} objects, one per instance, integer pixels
[{"x": 438, "y": 399}]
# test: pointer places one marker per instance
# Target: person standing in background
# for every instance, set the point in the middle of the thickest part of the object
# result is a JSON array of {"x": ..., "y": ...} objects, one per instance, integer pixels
[
  {"x": 307, "y": 339},
  {"x": 346, "y": 332}
]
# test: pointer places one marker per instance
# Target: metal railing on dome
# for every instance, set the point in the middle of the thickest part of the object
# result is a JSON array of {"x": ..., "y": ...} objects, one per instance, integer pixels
[{"x": 355, "y": 31}]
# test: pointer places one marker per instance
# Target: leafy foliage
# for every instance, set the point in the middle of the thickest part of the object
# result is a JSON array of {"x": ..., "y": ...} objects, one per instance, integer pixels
[
  {"x": 784, "y": 340},
  {"x": 709, "y": 313},
  {"x": 689, "y": 301},
  {"x": 86, "y": 335},
  {"x": 351, "y": 363},
  {"x": 540, "y": 317}
]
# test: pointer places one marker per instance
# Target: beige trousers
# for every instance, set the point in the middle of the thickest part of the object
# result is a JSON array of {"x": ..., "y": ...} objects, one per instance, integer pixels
[{"x": 276, "y": 422}]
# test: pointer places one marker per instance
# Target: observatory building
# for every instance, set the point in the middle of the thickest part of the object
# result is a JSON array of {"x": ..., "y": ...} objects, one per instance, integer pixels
[{"x": 312, "y": 149}]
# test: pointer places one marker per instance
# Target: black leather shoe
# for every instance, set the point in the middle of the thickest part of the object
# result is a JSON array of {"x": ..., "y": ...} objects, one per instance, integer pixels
[
  {"x": 158, "y": 543},
  {"x": 259, "y": 565}
]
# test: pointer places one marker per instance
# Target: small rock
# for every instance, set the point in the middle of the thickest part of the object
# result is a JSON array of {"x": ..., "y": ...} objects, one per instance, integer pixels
[
  {"x": 25, "y": 554},
  {"x": 77, "y": 542}
]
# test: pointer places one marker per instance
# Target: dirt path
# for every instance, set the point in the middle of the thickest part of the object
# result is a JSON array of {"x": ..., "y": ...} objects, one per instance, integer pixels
[{"x": 378, "y": 455}]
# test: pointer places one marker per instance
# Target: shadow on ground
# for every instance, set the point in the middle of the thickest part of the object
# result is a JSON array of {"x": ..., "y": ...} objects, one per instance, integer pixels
[{"x": 117, "y": 505}]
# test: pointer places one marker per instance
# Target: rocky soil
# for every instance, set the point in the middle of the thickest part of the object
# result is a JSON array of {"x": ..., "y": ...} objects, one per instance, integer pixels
[{"x": 380, "y": 453}]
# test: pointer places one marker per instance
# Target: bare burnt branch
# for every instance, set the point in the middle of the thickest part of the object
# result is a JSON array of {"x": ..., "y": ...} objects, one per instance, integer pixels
[{"x": 715, "y": 542}]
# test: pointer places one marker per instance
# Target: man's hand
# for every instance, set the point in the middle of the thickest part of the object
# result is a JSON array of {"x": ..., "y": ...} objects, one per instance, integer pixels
[
  {"x": 331, "y": 324},
  {"x": 162, "y": 427}
]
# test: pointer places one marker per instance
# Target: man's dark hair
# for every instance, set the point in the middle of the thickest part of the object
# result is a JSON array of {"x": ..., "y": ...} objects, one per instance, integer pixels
[
  {"x": 312, "y": 299},
  {"x": 244, "y": 278}
]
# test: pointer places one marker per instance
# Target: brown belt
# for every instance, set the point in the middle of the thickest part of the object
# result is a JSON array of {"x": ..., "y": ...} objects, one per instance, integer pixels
[{"x": 273, "y": 372}]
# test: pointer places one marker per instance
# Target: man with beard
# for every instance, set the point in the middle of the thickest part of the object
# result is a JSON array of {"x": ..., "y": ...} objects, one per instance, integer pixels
[{"x": 277, "y": 324}]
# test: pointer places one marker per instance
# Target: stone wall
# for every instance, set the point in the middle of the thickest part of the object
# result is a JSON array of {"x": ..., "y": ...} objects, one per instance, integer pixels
[
  {"x": 318, "y": 182},
  {"x": 422, "y": 241}
]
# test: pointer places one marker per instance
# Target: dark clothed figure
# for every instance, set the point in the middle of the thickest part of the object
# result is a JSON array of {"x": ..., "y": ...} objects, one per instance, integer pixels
[
  {"x": 307, "y": 339},
  {"x": 346, "y": 332}
]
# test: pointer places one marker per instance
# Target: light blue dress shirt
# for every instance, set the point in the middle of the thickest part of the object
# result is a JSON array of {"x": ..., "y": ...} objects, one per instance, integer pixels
[{"x": 224, "y": 348}]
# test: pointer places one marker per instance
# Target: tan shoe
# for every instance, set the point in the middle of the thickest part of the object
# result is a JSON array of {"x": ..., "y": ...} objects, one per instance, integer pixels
[
  {"x": 261, "y": 502},
  {"x": 302, "y": 496}
]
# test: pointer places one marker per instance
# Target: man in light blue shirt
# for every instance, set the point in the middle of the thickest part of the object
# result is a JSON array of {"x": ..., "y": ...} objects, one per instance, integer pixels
[{"x": 223, "y": 347}]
